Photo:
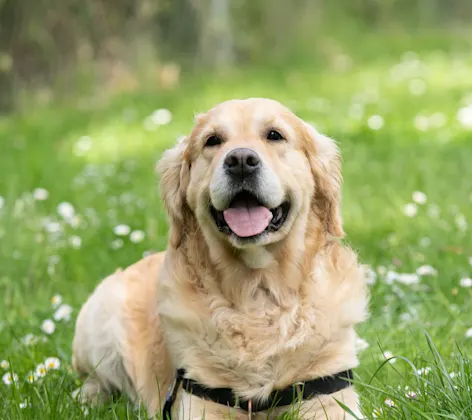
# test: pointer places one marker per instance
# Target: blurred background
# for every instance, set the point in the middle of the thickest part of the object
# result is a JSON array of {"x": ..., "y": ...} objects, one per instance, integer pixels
[{"x": 55, "y": 49}]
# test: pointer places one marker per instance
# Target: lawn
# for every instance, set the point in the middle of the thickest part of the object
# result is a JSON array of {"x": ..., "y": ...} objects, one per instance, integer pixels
[{"x": 78, "y": 198}]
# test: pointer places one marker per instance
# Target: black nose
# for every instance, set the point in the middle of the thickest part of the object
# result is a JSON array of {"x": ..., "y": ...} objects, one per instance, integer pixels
[{"x": 242, "y": 162}]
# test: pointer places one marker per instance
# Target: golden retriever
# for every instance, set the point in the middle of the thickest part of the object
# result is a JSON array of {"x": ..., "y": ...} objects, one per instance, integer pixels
[{"x": 255, "y": 291}]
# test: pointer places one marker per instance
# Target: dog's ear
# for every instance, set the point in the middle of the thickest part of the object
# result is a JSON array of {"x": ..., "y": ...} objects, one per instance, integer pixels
[
  {"x": 325, "y": 162},
  {"x": 174, "y": 171}
]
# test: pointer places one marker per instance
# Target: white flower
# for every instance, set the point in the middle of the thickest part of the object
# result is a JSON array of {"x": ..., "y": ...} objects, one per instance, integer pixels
[
  {"x": 389, "y": 355},
  {"x": 66, "y": 210},
  {"x": 30, "y": 377},
  {"x": 391, "y": 276},
  {"x": 361, "y": 344},
  {"x": 464, "y": 116},
  {"x": 40, "y": 194},
  {"x": 122, "y": 230},
  {"x": 376, "y": 413},
  {"x": 411, "y": 394},
  {"x": 410, "y": 209},
  {"x": 136, "y": 236},
  {"x": 48, "y": 326},
  {"x": 2, "y": 202},
  {"x": 56, "y": 300},
  {"x": 10, "y": 378},
  {"x": 417, "y": 87},
  {"x": 40, "y": 371},
  {"x": 52, "y": 227},
  {"x": 375, "y": 122},
  {"x": 371, "y": 275},
  {"x": 426, "y": 270},
  {"x": 82, "y": 145},
  {"x": 423, "y": 371},
  {"x": 4, "y": 364},
  {"x": 452, "y": 374},
  {"x": 23, "y": 404},
  {"x": 63, "y": 313},
  {"x": 75, "y": 241},
  {"x": 30, "y": 339},
  {"x": 465, "y": 282},
  {"x": 390, "y": 402},
  {"x": 382, "y": 270},
  {"x": 52, "y": 363},
  {"x": 468, "y": 333},
  {"x": 161, "y": 116},
  {"x": 408, "y": 278},
  {"x": 419, "y": 197}
]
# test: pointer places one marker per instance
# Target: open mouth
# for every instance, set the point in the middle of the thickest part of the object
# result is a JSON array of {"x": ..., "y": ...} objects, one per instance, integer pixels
[{"x": 247, "y": 217}]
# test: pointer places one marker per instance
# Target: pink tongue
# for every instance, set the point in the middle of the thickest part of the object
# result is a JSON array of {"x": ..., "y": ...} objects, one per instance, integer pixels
[{"x": 246, "y": 220}]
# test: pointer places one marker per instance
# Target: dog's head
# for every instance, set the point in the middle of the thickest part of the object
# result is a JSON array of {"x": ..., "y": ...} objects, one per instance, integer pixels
[{"x": 250, "y": 173}]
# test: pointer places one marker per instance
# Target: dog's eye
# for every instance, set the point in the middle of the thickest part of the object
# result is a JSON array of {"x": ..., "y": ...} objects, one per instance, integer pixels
[
  {"x": 274, "y": 135},
  {"x": 213, "y": 141}
]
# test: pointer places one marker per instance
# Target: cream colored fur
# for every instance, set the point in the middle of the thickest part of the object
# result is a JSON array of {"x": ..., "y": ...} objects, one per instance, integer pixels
[{"x": 253, "y": 317}]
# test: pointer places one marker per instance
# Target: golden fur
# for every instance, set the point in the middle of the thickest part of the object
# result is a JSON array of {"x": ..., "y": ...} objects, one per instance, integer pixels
[{"x": 252, "y": 317}]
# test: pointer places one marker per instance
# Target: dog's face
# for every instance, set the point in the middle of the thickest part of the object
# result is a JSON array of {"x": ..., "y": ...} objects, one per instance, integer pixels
[{"x": 250, "y": 171}]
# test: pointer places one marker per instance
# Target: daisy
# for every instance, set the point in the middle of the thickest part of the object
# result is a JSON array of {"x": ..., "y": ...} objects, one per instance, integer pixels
[
  {"x": 410, "y": 209},
  {"x": 66, "y": 210},
  {"x": 375, "y": 122},
  {"x": 56, "y": 300},
  {"x": 426, "y": 270},
  {"x": 468, "y": 333},
  {"x": 464, "y": 116},
  {"x": 122, "y": 230},
  {"x": 30, "y": 377},
  {"x": 48, "y": 326},
  {"x": 423, "y": 371},
  {"x": 40, "y": 371},
  {"x": 465, "y": 282},
  {"x": 30, "y": 339},
  {"x": 389, "y": 355},
  {"x": 390, "y": 402},
  {"x": 408, "y": 279},
  {"x": 411, "y": 394},
  {"x": 161, "y": 116},
  {"x": 10, "y": 378},
  {"x": 419, "y": 197},
  {"x": 63, "y": 313},
  {"x": 136, "y": 236},
  {"x": 52, "y": 363},
  {"x": 23, "y": 404},
  {"x": 4, "y": 364},
  {"x": 75, "y": 242},
  {"x": 361, "y": 344},
  {"x": 40, "y": 194}
]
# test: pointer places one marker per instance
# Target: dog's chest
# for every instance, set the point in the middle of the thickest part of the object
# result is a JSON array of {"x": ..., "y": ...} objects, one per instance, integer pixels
[{"x": 253, "y": 340}]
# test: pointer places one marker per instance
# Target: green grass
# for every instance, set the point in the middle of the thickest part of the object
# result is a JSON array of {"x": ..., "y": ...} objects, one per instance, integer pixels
[{"x": 114, "y": 183}]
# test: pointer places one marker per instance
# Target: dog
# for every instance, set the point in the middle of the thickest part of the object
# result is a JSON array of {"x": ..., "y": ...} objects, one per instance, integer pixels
[{"x": 255, "y": 294}]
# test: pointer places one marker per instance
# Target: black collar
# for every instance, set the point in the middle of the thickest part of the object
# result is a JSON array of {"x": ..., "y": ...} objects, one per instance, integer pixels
[{"x": 278, "y": 398}]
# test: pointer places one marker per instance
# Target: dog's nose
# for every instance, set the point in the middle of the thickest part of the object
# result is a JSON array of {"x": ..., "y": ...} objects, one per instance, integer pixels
[{"x": 242, "y": 162}]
